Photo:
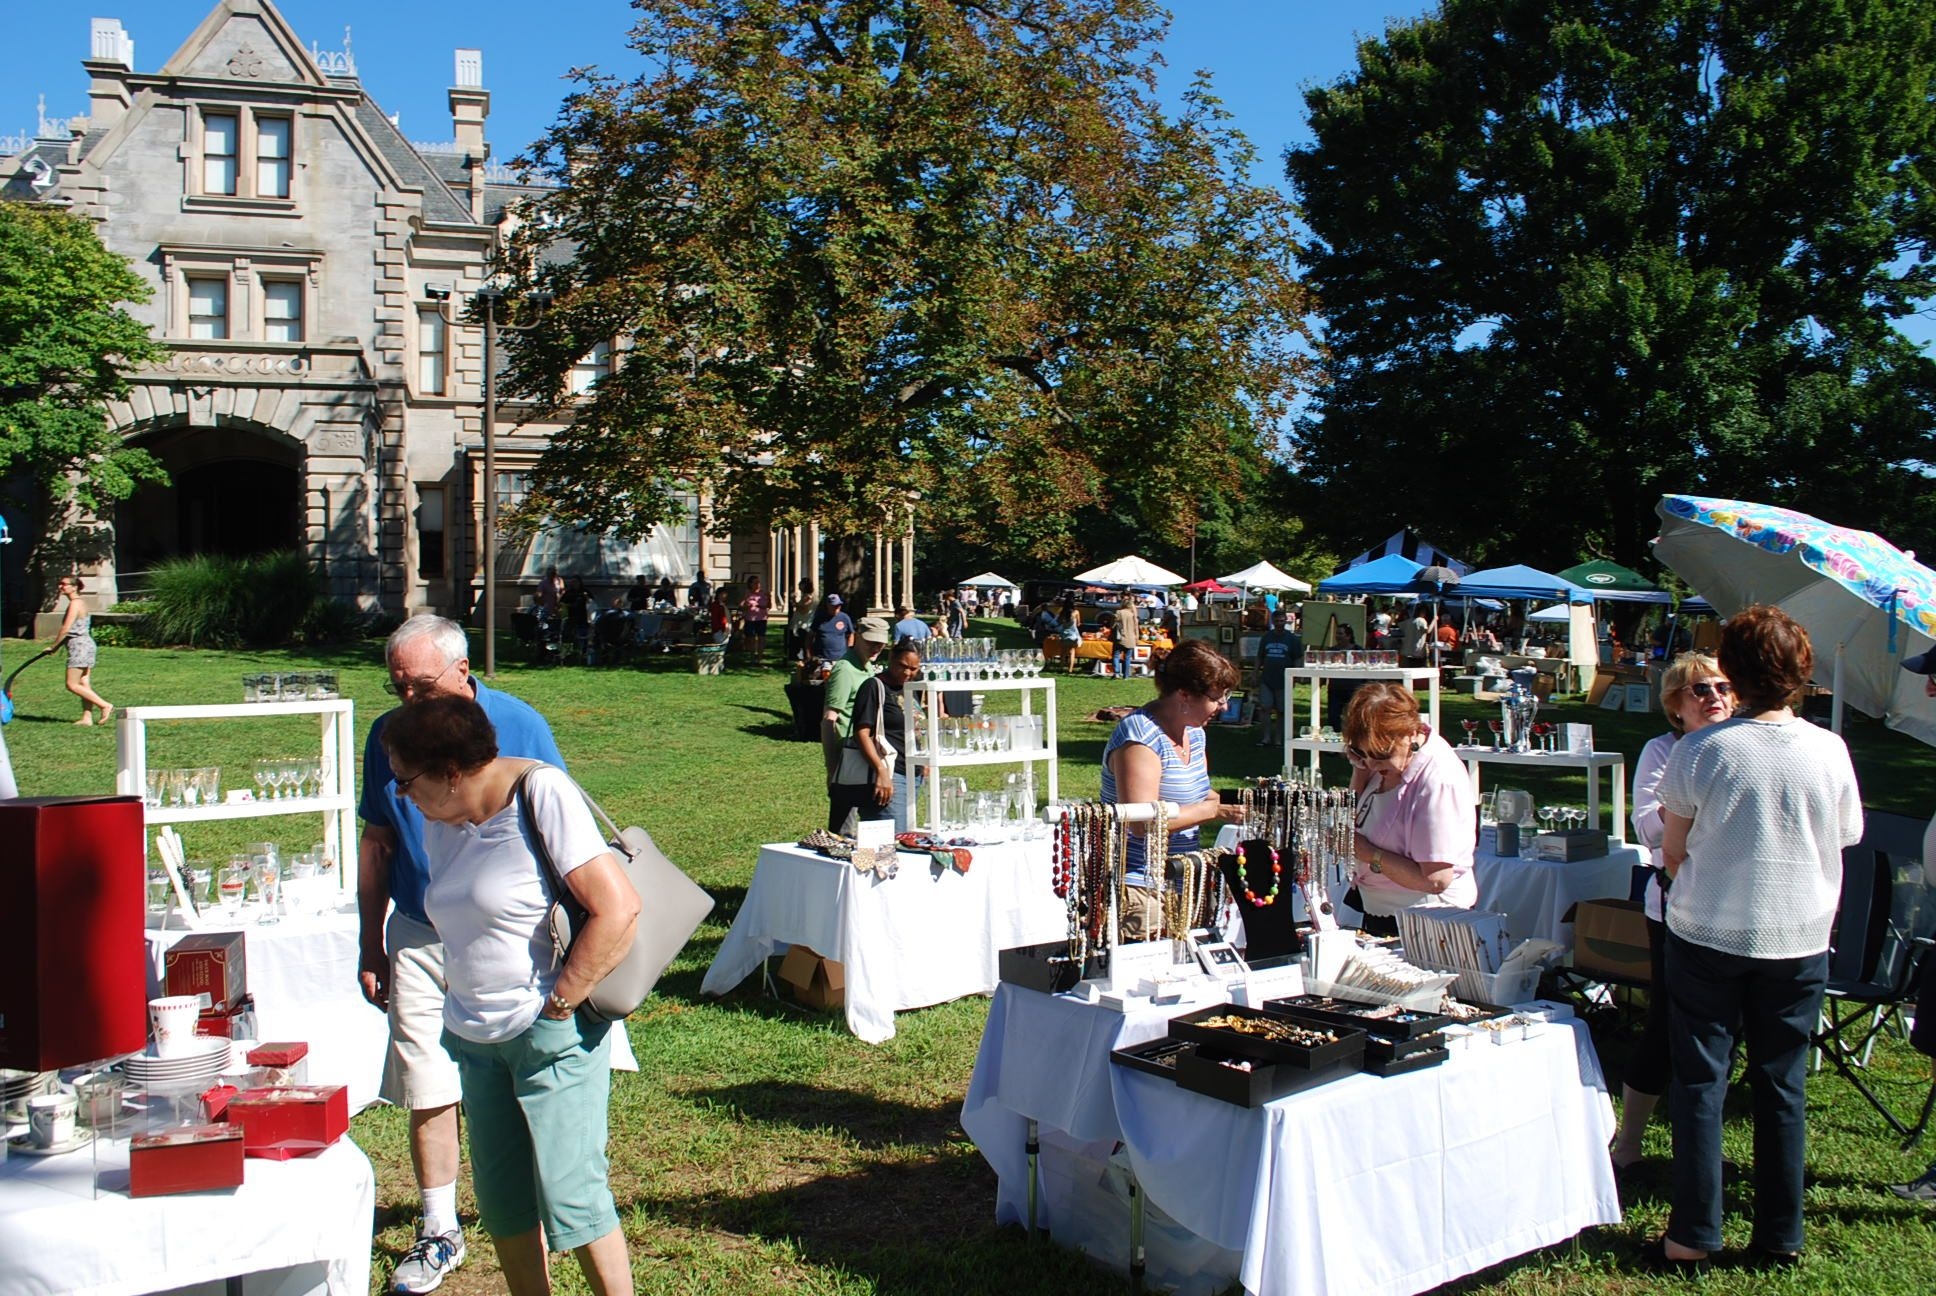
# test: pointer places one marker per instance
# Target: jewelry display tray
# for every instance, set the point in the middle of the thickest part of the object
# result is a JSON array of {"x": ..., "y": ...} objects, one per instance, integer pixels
[
  {"x": 1047, "y": 967},
  {"x": 1144, "y": 1057},
  {"x": 1338, "y": 1012},
  {"x": 1350, "y": 1044},
  {"x": 1204, "y": 1070},
  {"x": 1420, "y": 1061}
]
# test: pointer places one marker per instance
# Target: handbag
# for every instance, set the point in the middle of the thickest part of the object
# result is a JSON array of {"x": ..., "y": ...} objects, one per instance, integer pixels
[{"x": 671, "y": 908}]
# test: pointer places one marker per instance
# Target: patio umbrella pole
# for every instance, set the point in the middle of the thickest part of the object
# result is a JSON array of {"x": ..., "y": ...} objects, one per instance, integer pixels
[{"x": 1835, "y": 702}]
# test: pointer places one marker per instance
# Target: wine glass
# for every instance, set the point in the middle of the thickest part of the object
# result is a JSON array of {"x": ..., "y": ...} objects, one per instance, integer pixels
[
  {"x": 1471, "y": 728},
  {"x": 1498, "y": 727},
  {"x": 262, "y": 780},
  {"x": 268, "y": 886},
  {"x": 232, "y": 885}
]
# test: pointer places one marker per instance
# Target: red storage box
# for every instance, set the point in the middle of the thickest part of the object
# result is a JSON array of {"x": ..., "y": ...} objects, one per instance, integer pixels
[
  {"x": 73, "y": 957},
  {"x": 284, "y": 1123},
  {"x": 193, "y": 1158},
  {"x": 215, "y": 964}
]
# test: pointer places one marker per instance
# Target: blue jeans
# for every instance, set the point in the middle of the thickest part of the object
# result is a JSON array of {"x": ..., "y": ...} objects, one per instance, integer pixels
[
  {"x": 1125, "y": 659},
  {"x": 1777, "y": 1002}
]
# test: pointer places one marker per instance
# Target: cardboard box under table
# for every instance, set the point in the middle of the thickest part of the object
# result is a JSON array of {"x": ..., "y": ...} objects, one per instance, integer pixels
[{"x": 1610, "y": 938}]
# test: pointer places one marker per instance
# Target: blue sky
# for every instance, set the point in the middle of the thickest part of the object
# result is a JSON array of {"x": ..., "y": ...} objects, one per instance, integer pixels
[{"x": 1261, "y": 53}]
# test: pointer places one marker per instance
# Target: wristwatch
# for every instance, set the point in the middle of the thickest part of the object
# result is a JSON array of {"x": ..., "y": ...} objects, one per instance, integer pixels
[
  {"x": 560, "y": 1005},
  {"x": 1377, "y": 862}
]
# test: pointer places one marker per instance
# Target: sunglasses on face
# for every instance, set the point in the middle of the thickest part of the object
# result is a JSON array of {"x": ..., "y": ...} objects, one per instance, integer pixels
[
  {"x": 1711, "y": 688},
  {"x": 1359, "y": 753}
]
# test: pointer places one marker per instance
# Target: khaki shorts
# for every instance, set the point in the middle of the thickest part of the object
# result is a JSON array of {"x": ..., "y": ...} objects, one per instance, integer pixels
[
  {"x": 1140, "y": 912},
  {"x": 418, "y": 1072}
]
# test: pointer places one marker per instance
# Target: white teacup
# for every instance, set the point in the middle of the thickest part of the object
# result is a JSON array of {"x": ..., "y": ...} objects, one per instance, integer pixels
[
  {"x": 174, "y": 1018},
  {"x": 50, "y": 1119},
  {"x": 99, "y": 1097}
]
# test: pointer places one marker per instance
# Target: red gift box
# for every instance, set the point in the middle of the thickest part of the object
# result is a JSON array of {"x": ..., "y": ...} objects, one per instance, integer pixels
[
  {"x": 284, "y": 1123},
  {"x": 234, "y": 1023},
  {"x": 209, "y": 963},
  {"x": 278, "y": 1055},
  {"x": 193, "y": 1158},
  {"x": 73, "y": 961}
]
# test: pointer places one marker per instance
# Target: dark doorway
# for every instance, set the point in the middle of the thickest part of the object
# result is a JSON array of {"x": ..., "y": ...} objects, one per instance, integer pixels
[{"x": 236, "y": 507}]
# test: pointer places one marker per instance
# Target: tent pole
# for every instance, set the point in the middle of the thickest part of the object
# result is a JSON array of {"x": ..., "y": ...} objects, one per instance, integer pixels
[{"x": 1835, "y": 703}]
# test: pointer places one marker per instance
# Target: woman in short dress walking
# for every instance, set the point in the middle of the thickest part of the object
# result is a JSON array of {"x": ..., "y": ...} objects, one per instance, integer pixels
[{"x": 77, "y": 628}]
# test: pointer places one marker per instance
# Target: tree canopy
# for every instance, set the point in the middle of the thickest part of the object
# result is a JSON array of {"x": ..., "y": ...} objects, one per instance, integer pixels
[
  {"x": 66, "y": 346},
  {"x": 1577, "y": 253},
  {"x": 861, "y": 252}
]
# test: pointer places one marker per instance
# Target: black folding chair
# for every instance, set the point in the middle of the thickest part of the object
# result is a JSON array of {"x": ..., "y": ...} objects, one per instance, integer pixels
[{"x": 1878, "y": 955}]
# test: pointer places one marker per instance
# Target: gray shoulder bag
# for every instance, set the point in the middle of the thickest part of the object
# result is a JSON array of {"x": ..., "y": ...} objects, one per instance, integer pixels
[{"x": 671, "y": 907}]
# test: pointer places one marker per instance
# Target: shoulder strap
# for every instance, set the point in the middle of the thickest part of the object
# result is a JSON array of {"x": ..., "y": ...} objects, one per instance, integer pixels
[
  {"x": 613, "y": 836},
  {"x": 533, "y": 834}
]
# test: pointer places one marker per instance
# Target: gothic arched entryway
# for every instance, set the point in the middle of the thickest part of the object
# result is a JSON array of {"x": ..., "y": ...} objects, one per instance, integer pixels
[{"x": 231, "y": 491}]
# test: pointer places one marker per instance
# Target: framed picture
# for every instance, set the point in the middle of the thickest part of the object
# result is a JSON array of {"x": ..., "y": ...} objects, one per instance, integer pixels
[
  {"x": 1640, "y": 697},
  {"x": 1221, "y": 960},
  {"x": 1614, "y": 699},
  {"x": 1227, "y": 634}
]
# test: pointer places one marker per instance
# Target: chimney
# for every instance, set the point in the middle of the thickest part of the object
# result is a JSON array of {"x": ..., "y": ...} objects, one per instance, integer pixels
[
  {"x": 470, "y": 105},
  {"x": 110, "y": 59}
]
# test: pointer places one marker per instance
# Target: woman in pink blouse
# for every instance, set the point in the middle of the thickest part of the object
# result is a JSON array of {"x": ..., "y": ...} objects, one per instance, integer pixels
[
  {"x": 1416, "y": 821},
  {"x": 755, "y": 607}
]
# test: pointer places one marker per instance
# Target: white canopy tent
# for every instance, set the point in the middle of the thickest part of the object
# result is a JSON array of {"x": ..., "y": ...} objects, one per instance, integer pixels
[
  {"x": 1266, "y": 576},
  {"x": 988, "y": 580},
  {"x": 1130, "y": 571}
]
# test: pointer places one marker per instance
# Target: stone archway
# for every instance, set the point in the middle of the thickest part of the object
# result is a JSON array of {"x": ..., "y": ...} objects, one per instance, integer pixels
[{"x": 233, "y": 490}]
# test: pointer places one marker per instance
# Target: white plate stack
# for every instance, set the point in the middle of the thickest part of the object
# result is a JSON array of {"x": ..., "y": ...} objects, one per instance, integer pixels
[
  {"x": 208, "y": 1058},
  {"x": 16, "y": 1087}
]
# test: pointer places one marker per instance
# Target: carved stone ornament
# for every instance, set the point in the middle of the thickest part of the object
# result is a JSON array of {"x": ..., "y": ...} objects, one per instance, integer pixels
[
  {"x": 246, "y": 63},
  {"x": 235, "y": 362}
]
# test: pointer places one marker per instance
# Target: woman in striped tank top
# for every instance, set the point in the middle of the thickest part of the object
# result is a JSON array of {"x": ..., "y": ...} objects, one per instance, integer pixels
[{"x": 1158, "y": 753}]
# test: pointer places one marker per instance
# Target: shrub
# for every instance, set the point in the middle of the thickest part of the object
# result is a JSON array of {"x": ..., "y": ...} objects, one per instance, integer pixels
[
  {"x": 220, "y": 602},
  {"x": 332, "y": 621}
]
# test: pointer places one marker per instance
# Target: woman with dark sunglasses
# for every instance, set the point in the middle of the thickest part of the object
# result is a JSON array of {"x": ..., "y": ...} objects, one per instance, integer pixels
[
  {"x": 1415, "y": 809},
  {"x": 1693, "y": 695}
]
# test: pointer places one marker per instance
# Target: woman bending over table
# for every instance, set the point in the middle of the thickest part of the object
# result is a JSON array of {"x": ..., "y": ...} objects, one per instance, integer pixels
[
  {"x": 1693, "y": 695},
  {"x": 1157, "y": 753},
  {"x": 1416, "y": 819},
  {"x": 1757, "y": 810},
  {"x": 536, "y": 1075}
]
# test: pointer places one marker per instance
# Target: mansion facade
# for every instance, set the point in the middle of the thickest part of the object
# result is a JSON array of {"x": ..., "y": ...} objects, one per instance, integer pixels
[{"x": 322, "y": 389}]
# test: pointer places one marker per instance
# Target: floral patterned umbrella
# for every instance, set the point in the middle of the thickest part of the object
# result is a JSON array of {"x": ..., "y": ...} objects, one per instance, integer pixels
[{"x": 1865, "y": 603}]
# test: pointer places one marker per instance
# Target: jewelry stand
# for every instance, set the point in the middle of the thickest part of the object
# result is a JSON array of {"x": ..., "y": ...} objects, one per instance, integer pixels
[{"x": 1130, "y": 963}]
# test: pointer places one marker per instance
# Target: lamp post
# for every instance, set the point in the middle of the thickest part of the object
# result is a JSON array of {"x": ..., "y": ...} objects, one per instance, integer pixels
[{"x": 489, "y": 298}]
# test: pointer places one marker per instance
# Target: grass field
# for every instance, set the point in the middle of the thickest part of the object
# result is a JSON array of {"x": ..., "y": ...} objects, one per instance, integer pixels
[{"x": 761, "y": 1148}]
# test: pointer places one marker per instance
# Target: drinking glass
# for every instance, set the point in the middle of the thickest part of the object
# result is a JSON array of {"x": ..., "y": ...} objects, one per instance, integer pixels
[
  {"x": 1498, "y": 728},
  {"x": 159, "y": 887},
  {"x": 233, "y": 885},
  {"x": 954, "y": 802},
  {"x": 155, "y": 780},
  {"x": 261, "y": 776},
  {"x": 268, "y": 886},
  {"x": 210, "y": 778},
  {"x": 329, "y": 680},
  {"x": 1471, "y": 728}
]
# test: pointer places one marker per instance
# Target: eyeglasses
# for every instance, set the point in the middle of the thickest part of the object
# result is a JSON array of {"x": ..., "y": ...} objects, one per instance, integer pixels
[
  {"x": 1360, "y": 753},
  {"x": 410, "y": 688},
  {"x": 1711, "y": 688},
  {"x": 1220, "y": 701},
  {"x": 403, "y": 785}
]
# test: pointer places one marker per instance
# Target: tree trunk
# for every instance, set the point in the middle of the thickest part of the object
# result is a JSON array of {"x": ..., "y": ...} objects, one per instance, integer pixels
[{"x": 847, "y": 573}]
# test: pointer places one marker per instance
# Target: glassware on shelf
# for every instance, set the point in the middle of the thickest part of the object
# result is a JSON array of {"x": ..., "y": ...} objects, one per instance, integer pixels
[
  {"x": 154, "y": 783},
  {"x": 159, "y": 888},
  {"x": 1471, "y": 728},
  {"x": 267, "y": 873},
  {"x": 1498, "y": 727},
  {"x": 232, "y": 885}
]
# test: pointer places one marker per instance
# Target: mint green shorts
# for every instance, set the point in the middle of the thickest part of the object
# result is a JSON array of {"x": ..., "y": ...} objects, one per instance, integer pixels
[{"x": 536, "y": 1106}]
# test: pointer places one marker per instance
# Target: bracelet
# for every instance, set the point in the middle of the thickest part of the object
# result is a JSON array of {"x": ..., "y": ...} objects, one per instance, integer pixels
[
  {"x": 1377, "y": 860},
  {"x": 559, "y": 1004}
]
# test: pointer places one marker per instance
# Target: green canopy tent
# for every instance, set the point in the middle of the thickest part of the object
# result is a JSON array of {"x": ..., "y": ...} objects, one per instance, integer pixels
[{"x": 1609, "y": 580}]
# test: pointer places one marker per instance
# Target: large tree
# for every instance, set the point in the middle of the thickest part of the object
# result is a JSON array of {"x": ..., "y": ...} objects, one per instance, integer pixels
[
  {"x": 66, "y": 347},
  {"x": 1577, "y": 253},
  {"x": 869, "y": 251}
]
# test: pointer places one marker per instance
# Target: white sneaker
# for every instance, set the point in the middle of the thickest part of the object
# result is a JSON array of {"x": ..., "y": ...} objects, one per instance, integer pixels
[{"x": 424, "y": 1265}]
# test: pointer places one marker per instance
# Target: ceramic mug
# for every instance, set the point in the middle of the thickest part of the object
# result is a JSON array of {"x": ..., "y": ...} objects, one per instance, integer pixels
[
  {"x": 174, "y": 1017},
  {"x": 50, "y": 1119}
]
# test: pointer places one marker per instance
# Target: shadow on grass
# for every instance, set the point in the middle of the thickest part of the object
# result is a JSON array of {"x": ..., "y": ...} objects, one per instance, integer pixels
[{"x": 869, "y": 1120}]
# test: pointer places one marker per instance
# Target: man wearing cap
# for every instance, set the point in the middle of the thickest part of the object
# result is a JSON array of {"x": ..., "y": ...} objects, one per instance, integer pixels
[
  {"x": 1923, "y": 1036},
  {"x": 833, "y": 634},
  {"x": 859, "y": 664},
  {"x": 910, "y": 626}
]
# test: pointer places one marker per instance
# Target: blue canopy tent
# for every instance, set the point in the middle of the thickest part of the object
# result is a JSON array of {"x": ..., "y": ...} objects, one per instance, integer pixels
[
  {"x": 1392, "y": 574},
  {"x": 1522, "y": 582}
]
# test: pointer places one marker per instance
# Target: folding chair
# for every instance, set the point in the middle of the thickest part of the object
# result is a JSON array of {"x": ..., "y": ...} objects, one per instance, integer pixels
[{"x": 1878, "y": 954}]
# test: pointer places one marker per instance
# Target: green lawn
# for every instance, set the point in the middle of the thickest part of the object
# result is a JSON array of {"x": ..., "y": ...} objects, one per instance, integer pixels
[{"x": 762, "y": 1148}]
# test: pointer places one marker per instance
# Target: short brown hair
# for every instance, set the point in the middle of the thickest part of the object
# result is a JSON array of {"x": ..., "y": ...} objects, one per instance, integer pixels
[
  {"x": 443, "y": 735},
  {"x": 1381, "y": 716},
  {"x": 1195, "y": 666},
  {"x": 1766, "y": 655}
]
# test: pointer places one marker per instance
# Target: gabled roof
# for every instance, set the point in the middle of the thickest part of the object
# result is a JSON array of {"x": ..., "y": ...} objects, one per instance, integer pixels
[{"x": 245, "y": 40}]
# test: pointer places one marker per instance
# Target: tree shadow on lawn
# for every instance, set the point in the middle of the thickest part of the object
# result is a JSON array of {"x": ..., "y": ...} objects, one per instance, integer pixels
[
  {"x": 871, "y": 1121},
  {"x": 780, "y": 728},
  {"x": 923, "y": 1225}
]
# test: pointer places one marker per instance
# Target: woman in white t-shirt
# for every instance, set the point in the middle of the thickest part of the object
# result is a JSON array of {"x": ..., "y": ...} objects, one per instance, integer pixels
[
  {"x": 1757, "y": 811},
  {"x": 536, "y": 1075},
  {"x": 1693, "y": 695}
]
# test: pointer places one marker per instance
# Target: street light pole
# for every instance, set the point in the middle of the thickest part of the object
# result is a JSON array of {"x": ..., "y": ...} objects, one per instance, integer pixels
[{"x": 490, "y": 482}]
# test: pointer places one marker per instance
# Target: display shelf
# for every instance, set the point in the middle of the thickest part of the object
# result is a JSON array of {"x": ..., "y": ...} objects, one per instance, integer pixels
[
  {"x": 1591, "y": 763},
  {"x": 336, "y": 719},
  {"x": 933, "y": 761},
  {"x": 1317, "y": 676}
]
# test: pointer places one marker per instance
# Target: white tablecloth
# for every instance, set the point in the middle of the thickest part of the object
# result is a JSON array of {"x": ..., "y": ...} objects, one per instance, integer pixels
[
  {"x": 1360, "y": 1186},
  {"x": 295, "y": 1226},
  {"x": 924, "y": 937},
  {"x": 1536, "y": 894},
  {"x": 302, "y": 972}
]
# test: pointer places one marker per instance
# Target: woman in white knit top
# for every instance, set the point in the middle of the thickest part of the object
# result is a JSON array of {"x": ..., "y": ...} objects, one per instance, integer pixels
[{"x": 1757, "y": 810}]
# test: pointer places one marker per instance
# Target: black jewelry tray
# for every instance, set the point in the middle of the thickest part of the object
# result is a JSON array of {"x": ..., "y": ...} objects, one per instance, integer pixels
[
  {"x": 1421, "y": 1061},
  {"x": 1410, "y": 1024},
  {"x": 1158, "y": 1057},
  {"x": 1384, "y": 1050},
  {"x": 1484, "y": 1012},
  {"x": 1048, "y": 967},
  {"x": 1350, "y": 1045},
  {"x": 1203, "y": 1070}
]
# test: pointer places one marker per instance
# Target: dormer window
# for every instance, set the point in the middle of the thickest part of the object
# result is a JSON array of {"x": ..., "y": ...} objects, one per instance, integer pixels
[
  {"x": 595, "y": 364},
  {"x": 245, "y": 154}
]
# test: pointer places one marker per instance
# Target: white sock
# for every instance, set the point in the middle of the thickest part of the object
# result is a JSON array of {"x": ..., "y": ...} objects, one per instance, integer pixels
[{"x": 440, "y": 1210}]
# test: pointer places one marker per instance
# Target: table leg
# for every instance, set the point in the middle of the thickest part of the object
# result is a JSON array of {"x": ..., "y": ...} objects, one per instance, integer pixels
[
  {"x": 1136, "y": 1254},
  {"x": 1034, "y": 1147},
  {"x": 1619, "y": 773},
  {"x": 1593, "y": 797}
]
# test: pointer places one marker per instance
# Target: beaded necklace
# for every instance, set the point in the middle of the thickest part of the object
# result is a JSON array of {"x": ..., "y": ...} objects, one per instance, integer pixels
[{"x": 1269, "y": 897}]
